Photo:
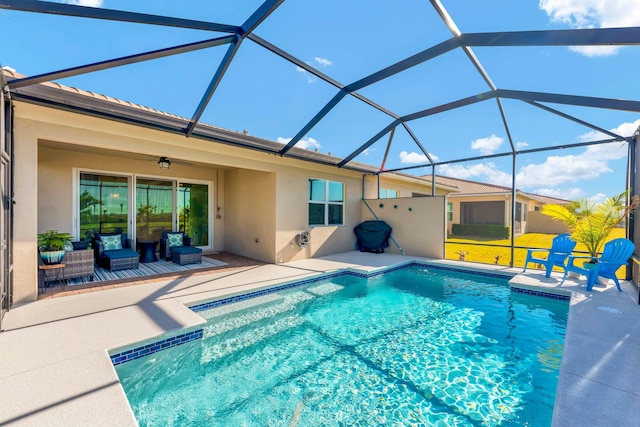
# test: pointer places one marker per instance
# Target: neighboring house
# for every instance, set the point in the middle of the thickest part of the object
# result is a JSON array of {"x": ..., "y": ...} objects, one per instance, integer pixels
[
  {"x": 85, "y": 163},
  {"x": 481, "y": 203}
]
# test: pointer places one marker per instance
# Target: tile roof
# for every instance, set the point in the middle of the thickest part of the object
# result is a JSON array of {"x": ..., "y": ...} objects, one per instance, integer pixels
[
  {"x": 467, "y": 188},
  {"x": 57, "y": 93}
]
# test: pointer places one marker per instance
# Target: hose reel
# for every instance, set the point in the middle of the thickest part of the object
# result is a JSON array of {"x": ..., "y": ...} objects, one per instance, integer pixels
[{"x": 303, "y": 239}]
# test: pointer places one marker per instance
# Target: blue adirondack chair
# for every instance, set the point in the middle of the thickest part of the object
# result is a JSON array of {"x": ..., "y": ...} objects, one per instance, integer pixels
[
  {"x": 615, "y": 254},
  {"x": 561, "y": 248}
]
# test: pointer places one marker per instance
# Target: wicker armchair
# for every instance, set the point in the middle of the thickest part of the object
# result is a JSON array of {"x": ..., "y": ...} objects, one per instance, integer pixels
[
  {"x": 180, "y": 253},
  {"x": 115, "y": 259},
  {"x": 165, "y": 249}
]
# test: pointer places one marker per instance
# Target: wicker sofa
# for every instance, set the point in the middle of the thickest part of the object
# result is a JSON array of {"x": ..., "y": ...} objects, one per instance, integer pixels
[{"x": 78, "y": 263}]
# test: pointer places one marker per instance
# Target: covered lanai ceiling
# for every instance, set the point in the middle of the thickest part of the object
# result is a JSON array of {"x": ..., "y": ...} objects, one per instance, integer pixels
[{"x": 403, "y": 85}]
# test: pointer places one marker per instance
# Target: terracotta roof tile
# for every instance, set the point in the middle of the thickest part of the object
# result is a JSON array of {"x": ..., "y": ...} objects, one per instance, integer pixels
[{"x": 468, "y": 187}]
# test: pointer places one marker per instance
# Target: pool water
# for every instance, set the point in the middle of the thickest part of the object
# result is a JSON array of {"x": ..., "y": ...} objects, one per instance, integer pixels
[{"x": 413, "y": 347}]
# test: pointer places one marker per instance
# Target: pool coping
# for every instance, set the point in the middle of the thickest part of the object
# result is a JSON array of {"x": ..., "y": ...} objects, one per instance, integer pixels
[{"x": 57, "y": 371}]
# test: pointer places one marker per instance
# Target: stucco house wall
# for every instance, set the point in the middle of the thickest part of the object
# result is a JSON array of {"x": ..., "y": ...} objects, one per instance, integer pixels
[
  {"x": 418, "y": 224},
  {"x": 250, "y": 214},
  {"x": 541, "y": 223},
  {"x": 259, "y": 202}
]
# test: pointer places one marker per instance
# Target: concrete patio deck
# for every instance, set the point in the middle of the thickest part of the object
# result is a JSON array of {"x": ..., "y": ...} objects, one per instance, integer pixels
[{"x": 56, "y": 371}]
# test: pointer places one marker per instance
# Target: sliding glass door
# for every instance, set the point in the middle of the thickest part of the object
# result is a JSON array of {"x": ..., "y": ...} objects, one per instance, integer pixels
[
  {"x": 154, "y": 208},
  {"x": 103, "y": 205},
  {"x": 193, "y": 211},
  {"x": 143, "y": 207}
]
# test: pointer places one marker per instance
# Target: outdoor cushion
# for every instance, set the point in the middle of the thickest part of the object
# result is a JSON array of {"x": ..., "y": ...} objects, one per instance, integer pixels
[
  {"x": 111, "y": 242},
  {"x": 174, "y": 239},
  {"x": 68, "y": 247},
  {"x": 123, "y": 238},
  {"x": 186, "y": 250},
  {"x": 80, "y": 245},
  {"x": 120, "y": 253}
]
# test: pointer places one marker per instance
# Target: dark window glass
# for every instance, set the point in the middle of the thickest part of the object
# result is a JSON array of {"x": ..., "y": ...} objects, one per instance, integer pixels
[
  {"x": 336, "y": 215},
  {"x": 316, "y": 214}
]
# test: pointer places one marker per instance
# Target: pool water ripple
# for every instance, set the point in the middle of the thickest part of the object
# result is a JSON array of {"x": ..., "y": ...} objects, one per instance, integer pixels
[{"x": 413, "y": 347}]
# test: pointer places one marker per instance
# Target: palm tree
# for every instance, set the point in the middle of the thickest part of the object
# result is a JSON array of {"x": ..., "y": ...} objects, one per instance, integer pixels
[{"x": 591, "y": 223}]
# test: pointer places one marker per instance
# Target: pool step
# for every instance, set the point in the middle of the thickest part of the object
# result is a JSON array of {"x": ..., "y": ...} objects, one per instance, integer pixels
[
  {"x": 284, "y": 305},
  {"x": 212, "y": 351},
  {"x": 237, "y": 332},
  {"x": 239, "y": 306}
]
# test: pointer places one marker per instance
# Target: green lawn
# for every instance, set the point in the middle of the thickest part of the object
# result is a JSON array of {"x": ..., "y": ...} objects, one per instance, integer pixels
[{"x": 487, "y": 254}]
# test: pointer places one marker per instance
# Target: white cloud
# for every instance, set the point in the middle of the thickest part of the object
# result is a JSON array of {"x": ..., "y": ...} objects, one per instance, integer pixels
[
  {"x": 488, "y": 145},
  {"x": 368, "y": 151},
  {"x": 598, "y": 198},
  {"x": 567, "y": 194},
  {"x": 323, "y": 61},
  {"x": 305, "y": 143},
  {"x": 89, "y": 3},
  {"x": 484, "y": 172},
  {"x": 593, "y": 14},
  {"x": 522, "y": 144},
  {"x": 310, "y": 77},
  {"x": 625, "y": 129},
  {"x": 558, "y": 170},
  {"x": 415, "y": 158},
  {"x": 318, "y": 61},
  {"x": 554, "y": 172}
]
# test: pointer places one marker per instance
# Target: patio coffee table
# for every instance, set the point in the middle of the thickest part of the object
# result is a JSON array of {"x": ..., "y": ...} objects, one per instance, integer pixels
[{"x": 148, "y": 250}]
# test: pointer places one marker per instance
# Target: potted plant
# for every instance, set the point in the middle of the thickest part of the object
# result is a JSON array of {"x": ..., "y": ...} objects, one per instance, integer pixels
[
  {"x": 591, "y": 223},
  {"x": 51, "y": 245}
]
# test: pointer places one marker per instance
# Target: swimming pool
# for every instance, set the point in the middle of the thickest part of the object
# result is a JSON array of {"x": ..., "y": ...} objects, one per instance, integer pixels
[{"x": 414, "y": 346}]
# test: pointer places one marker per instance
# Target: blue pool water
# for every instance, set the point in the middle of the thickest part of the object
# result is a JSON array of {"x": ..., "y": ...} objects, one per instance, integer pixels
[{"x": 413, "y": 347}]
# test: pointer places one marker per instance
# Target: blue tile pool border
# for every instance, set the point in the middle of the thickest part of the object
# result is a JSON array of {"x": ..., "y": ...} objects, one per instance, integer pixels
[
  {"x": 229, "y": 300},
  {"x": 540, "y": 293},
  {"x": 147, "y": 349}
]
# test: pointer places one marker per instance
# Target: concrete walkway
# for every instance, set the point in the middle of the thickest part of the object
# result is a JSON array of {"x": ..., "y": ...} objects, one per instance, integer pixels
[{"x": 55, "y": 369}]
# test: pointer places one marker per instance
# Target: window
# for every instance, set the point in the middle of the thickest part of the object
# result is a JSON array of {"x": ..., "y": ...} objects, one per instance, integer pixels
[
  {"x": 387, "y": 194},
  {"x": 104, "y": 204},
  {"x": 326, "y": 202},
  {"x": 449, "y": 211}
]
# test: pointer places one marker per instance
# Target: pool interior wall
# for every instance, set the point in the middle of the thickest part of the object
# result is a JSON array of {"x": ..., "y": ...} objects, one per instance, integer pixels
[
  {"x": 138, "y": 350},
  {"x": 145, "y": 348}
]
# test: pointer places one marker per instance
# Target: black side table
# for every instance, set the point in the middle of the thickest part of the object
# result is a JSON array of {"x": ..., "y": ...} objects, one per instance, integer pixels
[{"x": 148, "y": 250}]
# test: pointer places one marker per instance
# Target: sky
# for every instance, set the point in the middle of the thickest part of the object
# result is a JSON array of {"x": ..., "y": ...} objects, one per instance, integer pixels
[{"x": 348, "y": 40}]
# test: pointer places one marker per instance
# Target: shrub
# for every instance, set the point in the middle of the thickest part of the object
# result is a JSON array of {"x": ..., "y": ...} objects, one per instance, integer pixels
[{"x": 485, "y": 230}]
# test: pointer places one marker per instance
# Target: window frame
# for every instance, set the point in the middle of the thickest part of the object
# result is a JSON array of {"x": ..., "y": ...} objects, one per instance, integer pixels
[
  {"x": 449, "y": 211},
  {"x": 326, "y": 202},
  {"x": 383, "y": 193}
]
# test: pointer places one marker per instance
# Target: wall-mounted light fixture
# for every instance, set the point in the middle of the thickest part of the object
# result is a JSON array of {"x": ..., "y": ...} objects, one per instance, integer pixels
[{"x": 164, "y": 163}]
